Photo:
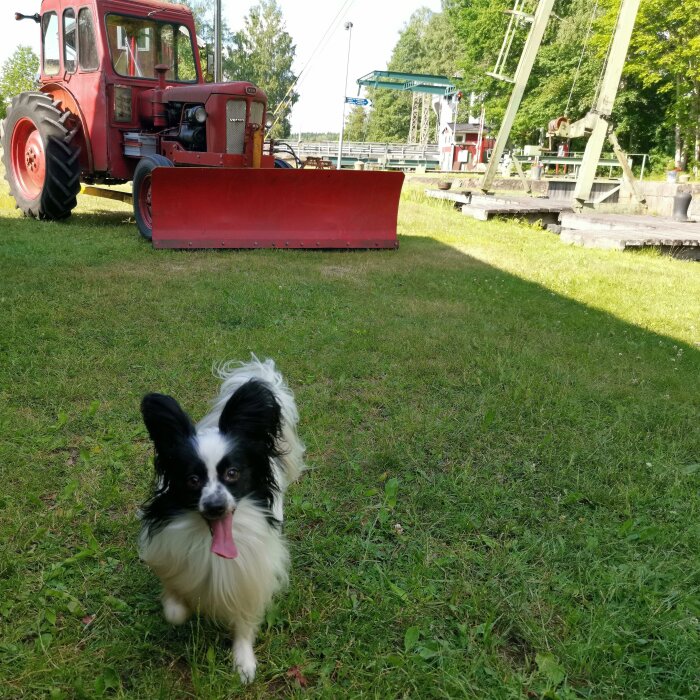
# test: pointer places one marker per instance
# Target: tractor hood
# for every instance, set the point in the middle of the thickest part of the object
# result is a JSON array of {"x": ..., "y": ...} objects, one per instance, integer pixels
[{"x": 202, "y": 92}]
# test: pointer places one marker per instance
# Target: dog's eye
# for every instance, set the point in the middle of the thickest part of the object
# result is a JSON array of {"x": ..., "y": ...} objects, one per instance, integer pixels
[
  {"x": 231, "y": 475},
  {"x": 193, "y": 481}
]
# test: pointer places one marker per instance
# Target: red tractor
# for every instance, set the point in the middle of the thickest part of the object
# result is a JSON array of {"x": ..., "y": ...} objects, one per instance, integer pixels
[{"x": 122, "y": 98}]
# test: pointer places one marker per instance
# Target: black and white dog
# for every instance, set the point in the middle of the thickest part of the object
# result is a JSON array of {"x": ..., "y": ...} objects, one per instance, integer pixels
[{"x": 212, "y": 530}]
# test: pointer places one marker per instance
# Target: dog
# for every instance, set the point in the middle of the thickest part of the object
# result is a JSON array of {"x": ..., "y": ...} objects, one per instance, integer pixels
[{"x": 212, "y": 529}]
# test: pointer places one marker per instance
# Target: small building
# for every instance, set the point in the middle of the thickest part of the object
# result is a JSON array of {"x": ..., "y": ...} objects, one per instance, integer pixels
[{"x": 465, "y": 146}]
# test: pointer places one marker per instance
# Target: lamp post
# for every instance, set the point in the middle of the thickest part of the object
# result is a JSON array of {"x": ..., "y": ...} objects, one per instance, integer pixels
[
  {"x": 348, "y": 27},
  {"x": 218, "y": 73}
]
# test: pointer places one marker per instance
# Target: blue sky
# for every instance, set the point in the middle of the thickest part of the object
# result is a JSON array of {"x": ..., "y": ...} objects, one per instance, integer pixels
[{"x": 376, "y": 24}]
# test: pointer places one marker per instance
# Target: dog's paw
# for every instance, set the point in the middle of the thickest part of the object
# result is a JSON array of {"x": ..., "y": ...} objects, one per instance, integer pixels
[
  {"x": 174, "y": 610},
  {"x": 244, "y": 661}
]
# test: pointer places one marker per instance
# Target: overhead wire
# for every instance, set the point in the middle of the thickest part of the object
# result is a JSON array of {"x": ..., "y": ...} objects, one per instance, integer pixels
[
  {"x": 322, "y": 43},
  {"x": 580, "y": 60}
]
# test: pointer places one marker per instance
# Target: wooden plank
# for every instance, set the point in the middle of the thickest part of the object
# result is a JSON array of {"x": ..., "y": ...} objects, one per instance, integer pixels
[
  {"x": 450, "y": 195},
  {"x": 627, "y": 238}
]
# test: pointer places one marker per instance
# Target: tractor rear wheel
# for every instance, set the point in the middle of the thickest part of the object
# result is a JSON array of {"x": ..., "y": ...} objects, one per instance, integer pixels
[
  {"x": 42, "y": 167},
  {"x": 141, "y": 192}
]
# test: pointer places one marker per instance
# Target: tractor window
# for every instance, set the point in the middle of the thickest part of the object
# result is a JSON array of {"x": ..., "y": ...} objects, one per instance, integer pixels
[
  {"x": 70, "y": 47},
  {"x": 137, "y": 45},
  {"x": 52, "y": 57},
  {"x": 87, "y": 53}
]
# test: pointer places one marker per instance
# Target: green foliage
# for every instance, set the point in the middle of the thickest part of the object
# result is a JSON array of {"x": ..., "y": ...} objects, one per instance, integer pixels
[
  {"x": 204, "y": 21},
  {"x": 19, "y": 74},
  {"x": 664, "y": 60},
  {"x": 263, "y": 53},
  {"x": 356, "y": 124},
  {"x": 658, "y": 104}
]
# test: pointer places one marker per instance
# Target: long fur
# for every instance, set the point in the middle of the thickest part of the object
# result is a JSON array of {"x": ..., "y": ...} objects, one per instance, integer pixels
[{"x": 175, "y": 540}]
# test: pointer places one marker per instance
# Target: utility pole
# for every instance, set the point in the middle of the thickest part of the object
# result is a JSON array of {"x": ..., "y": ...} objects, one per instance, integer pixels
[
  {"x": 527, "y": 60},
  {"x": 218, "y": 73},
  {"x": 348, "y": 28}
]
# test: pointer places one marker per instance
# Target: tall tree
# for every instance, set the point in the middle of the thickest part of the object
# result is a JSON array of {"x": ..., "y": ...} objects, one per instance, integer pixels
[
  {"x": 19, "y": 74},
  {"x": 664, "y": 59},
  {"x": 356, "y": 124},
  {"x": 263, "y": 53}
]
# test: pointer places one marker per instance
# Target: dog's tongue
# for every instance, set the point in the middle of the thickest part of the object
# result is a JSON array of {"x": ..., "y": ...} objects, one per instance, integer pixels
[{"x": 222, "y": 543}]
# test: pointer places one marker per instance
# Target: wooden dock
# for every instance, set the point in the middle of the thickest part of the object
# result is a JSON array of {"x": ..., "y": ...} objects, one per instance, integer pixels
[
  {"x": 485, "y": 206},
  {"x": 592, "y": 229},
  {"x": 630, "y": 231}
]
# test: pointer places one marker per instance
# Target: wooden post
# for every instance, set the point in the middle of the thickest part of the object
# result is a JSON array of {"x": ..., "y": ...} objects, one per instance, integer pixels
[
  {"x": 522, "y": 74},
  {"x": 606, "y": 99}
]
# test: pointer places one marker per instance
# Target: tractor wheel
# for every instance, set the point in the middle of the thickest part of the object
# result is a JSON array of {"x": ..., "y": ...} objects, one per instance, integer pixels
[
  {"x": 141, "y": 189},
  {"x": 280, "y": 163},
  {"x": 42, "y": 167}
]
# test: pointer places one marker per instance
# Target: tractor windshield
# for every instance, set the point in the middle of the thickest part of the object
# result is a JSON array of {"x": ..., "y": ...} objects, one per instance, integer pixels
[{"x": 137, "y": 45}]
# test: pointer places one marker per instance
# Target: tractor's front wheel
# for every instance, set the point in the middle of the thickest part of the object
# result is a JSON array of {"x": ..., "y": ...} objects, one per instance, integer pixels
[
  {"x": 42, "y": 167},
  {"x": 141, "y": 192}
]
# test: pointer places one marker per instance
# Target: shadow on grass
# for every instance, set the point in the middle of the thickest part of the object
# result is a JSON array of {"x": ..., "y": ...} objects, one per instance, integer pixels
[{"x": 544, "y": 533}]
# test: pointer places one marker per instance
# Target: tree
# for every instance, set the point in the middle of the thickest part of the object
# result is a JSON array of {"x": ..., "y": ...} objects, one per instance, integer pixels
[
  {"x": 19, "y": 74},
  {"x": 263, "y": 53},
  {"x": 356, "y": 124},
  {"x": 664, "y": 59}
]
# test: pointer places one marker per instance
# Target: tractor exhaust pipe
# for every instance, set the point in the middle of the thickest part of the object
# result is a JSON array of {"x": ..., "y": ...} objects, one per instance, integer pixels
[{"x": 36, "y": 17}]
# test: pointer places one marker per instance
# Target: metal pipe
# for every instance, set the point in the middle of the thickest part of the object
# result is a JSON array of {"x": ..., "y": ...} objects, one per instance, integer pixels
[
  {"x": 348, "y": 27},
  {"x": 218, "y": 73}
]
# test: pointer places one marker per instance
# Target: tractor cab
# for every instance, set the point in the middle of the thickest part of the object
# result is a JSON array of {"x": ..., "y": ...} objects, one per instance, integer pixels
[{"x": 138, "y": 44}]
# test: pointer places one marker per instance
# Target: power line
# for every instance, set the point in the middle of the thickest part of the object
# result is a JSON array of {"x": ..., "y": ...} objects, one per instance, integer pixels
[{"x": 332, "y": 27}]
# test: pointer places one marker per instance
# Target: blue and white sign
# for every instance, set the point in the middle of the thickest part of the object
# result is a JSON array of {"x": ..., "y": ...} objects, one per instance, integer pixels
[{"x": 358, "y": 101}]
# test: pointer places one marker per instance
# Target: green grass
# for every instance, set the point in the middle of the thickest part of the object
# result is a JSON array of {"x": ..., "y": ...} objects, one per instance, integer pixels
[{"x": 504, "y": 439}]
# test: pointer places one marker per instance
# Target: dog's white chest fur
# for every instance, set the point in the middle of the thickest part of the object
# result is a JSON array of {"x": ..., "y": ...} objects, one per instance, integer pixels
[{"x": 226, "y": 590}]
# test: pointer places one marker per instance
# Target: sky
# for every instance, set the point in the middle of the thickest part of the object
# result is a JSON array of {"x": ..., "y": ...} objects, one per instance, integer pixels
[{"x": 376, "y": 26}]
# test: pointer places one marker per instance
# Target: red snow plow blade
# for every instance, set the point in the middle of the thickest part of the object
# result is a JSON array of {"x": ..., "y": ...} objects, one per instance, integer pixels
[{"x": 274, "y": 208}]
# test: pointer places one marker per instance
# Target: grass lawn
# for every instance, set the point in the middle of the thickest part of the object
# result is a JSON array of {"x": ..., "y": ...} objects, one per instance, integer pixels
[{"x": 504, "y": 439}]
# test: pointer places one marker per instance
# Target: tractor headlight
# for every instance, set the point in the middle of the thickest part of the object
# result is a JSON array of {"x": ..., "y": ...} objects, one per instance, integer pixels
[{"x": 196, "y": 115}]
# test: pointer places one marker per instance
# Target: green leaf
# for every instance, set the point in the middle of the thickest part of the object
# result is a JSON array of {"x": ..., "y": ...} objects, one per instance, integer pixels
[
  {"x": 211, "y": 656},
  {"x": 690, "y": 468},
  {"x": 391, "y": 489},
  {"x": 111, "y": 678},
  {"x": 395, "y": 660},
  {"x": 410, "y": 639},
  {"x": 50, "y": 616},
  {"x": 398, "y": 591},
  {"x": 116, "y": 603},
  {"x": 69, "y": 489},
  {"x": 429, "y": 650},
  {"x": 550, "y": 668}
]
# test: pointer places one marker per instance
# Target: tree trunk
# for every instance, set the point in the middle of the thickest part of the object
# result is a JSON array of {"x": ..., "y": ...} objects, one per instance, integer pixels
[
  {"x": 678, "y": 156},
  {"x": 696, "y": 121}
]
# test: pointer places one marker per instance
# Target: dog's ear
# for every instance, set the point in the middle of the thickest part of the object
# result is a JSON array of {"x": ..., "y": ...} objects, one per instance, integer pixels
[
  {"x": 253, "y": 413},
  {"x": 168, "y": 425}
]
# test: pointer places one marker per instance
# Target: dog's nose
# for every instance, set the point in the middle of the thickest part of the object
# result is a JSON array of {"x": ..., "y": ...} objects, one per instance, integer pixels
[{"x": 213, "y": 510}]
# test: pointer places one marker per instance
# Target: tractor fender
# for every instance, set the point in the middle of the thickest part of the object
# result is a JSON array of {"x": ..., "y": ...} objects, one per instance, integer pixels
[{"x": 63, "y": 95}]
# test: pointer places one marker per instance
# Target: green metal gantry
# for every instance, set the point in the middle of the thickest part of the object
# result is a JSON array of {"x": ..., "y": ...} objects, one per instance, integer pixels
[
  {"x": 408, "y": 82},
  {"x": 418, "y": 84}
]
